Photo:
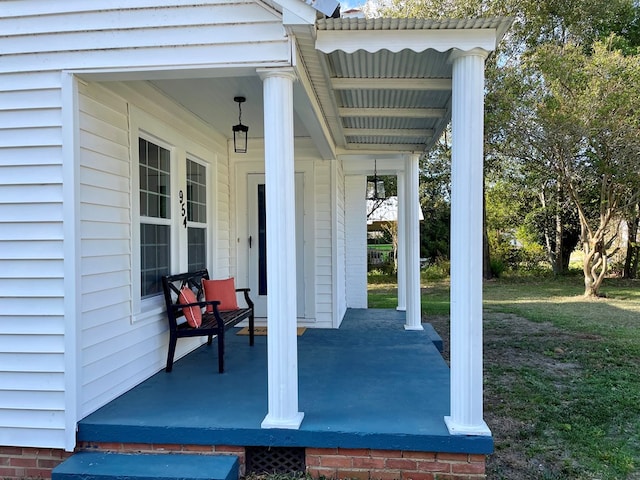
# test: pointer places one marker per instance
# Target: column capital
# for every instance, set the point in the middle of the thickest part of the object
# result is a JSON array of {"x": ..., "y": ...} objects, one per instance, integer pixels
[
  {"x": 475, "y": 52},
  {"x": 283, "y": 72}
]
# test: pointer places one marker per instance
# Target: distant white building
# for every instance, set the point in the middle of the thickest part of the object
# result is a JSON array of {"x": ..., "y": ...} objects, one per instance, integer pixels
[{"x": 386, "y": 210}]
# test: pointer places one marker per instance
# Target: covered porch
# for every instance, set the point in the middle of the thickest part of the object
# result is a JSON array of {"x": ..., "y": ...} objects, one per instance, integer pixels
[{"x": 371, "y": 384}]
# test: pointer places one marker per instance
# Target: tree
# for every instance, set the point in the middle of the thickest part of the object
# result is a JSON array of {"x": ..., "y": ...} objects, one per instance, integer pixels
[
  {"x": 592, "y": 100},
  {"x": 555, "y": 109},
  {"x": 435, "y": 201},
  {"x": 524, "y": 151}
]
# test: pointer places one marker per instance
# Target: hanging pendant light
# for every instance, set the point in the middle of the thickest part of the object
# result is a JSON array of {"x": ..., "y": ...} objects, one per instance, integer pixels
[
  {"x": 375, "y": 189},
  {"x": 240, "y": 131}
]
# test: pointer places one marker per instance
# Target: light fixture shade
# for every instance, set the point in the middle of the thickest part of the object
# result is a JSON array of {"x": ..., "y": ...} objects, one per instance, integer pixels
[
  {"x": 375, "y": 187},
  {"x": 375, "y": 190},
  {"x": 240, "y": 132}
]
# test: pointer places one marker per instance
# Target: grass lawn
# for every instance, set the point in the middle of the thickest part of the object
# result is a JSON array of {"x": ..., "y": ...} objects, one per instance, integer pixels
[{"x": 562, "y": 374}]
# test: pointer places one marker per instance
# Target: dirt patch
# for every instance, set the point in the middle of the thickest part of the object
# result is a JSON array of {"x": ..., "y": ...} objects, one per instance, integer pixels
[{"x": 540, "y": 346}]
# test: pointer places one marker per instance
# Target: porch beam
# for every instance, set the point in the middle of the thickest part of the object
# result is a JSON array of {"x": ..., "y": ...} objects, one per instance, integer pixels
[
  {"x": 425, "y": 84},
  {"x": 412, "y": 242},
  {"x": 349, "y": 41},
  {"x": 467, "y": 121},
  {"x": 397, "y": 132},
  {"x": 386, "y": 147},
  {"x": 282, "y": 343},
  {"x": 393, "y": 112}
]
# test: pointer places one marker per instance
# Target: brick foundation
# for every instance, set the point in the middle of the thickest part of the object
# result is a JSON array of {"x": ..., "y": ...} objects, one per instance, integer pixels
[
  {"x": 366, "y": 464},
  {"x": 18, "y": 463}
]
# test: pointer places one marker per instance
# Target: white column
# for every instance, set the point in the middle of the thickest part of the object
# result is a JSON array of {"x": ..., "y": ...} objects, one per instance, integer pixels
[
  {"x": 467, "y": 122},
  {"x": 412, "y": 229},
  {"x": 282, "y": 343},
  {"x": 402, "y": 245}
]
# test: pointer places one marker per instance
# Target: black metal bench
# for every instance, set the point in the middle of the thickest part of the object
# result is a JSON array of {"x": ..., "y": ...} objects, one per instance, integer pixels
[{"x": 215, "y": 323}]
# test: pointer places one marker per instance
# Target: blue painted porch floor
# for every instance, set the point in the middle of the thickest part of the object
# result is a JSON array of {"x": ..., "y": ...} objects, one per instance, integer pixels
[{"x": 370, "y": 384}]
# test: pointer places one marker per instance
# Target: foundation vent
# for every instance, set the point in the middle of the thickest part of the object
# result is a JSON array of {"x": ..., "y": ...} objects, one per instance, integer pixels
[{"x": 275, "y": 459}]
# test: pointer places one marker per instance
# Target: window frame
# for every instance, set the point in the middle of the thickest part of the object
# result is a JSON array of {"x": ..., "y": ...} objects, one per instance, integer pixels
[{"x": 193, "y": 223}]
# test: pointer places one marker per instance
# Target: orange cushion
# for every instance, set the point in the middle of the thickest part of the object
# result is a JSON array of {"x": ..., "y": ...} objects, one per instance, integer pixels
[
  {"x": 222, "y": 290},
  {"x": 192, "y": 314}
]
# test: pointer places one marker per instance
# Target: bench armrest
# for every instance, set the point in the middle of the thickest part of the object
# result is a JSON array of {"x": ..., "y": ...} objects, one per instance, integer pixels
[{"x": 246, "y": 296}]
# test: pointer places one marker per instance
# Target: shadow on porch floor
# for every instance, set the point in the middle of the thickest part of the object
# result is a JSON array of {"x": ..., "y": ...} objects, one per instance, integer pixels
[{"x": 370, "y": 384}]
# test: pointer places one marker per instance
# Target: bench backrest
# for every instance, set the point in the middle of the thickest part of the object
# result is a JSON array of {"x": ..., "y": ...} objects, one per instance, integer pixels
[{"x": 172, "y": 284}]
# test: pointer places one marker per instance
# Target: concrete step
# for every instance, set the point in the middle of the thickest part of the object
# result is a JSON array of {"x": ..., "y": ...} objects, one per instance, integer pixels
[{"x": 120, "y": 466}]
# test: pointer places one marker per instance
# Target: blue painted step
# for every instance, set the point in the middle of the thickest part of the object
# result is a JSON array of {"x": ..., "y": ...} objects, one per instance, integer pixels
[{"x": 138, "y": 466}]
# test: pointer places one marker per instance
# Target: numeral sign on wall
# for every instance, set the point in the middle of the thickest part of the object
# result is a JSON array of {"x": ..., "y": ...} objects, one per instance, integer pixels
[{"x": 183, "y": 208}]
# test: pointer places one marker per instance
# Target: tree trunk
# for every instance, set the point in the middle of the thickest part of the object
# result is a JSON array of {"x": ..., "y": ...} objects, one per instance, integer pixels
[
  {"x": 633, "y": 248},
  {"x": 548, "y": 244},
  {"x": 595, "y": 262},
  {"x": 558, "y": 264}
]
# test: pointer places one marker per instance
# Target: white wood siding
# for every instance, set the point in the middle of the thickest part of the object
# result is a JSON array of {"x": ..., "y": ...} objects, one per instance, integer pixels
[
  {"x": 108, "y": 342},
  {"x": 32, "y": 284},
  {"x": 222, "y": 221},
  {"x": 324, "y": 247},
  {"x": 45, "y": 35},
  {"x": 356, "y": 240}
]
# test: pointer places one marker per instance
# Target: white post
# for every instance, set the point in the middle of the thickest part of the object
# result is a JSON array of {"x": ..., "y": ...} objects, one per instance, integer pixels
[
  {"x": 412, "y": 227},
  {"x": 467, "y": 121},
  {"x": 282, "y": 342},
  {"x": 402, "y": 245}
]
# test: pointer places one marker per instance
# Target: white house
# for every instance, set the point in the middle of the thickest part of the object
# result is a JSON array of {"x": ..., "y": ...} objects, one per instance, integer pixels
[{"x": 117, "y": 165}]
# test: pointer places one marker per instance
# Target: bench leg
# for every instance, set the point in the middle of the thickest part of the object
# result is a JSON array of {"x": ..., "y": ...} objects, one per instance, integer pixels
[
  {"x": 221, "y": 352},
  {"x": 171, "y": 352},
  {"x": 251, "y": 329}
]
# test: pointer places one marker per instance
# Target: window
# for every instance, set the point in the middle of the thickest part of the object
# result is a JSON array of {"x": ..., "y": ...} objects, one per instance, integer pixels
[
  {"x": 173, "y": 213},
  {"x": 155, "y": 216},
  {"x": 196, "y": 215}
]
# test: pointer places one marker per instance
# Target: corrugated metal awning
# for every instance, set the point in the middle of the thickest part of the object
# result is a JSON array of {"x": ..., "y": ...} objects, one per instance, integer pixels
[{"x": 384, "y": 85}]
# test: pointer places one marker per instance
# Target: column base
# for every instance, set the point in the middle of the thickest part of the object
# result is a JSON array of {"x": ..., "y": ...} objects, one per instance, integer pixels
[
  {"x": 292, "y": 423},
  {"x": 401, "y": 309},
  {"x": 413, "y": 327},
  {"x": 459, "y": 429}
]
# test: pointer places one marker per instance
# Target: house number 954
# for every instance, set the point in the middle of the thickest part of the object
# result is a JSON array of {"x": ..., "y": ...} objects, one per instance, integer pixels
[{"x": 183, "y": 209}]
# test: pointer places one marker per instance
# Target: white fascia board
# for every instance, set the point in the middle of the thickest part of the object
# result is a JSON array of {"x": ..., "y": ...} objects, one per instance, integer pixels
[
  {"x": 372, "y": 41},
  {"x": 309, "y": 111},
  {"x": 296, "y": 12}
]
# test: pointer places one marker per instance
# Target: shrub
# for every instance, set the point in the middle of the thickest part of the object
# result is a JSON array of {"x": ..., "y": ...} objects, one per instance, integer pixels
[{"x": 437, "y": 270}]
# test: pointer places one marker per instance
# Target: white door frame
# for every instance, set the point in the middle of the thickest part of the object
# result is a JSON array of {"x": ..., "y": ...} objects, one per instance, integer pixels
[
  {"x": 305, "y": 168},
  {"x": 260, "y": 301}
]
